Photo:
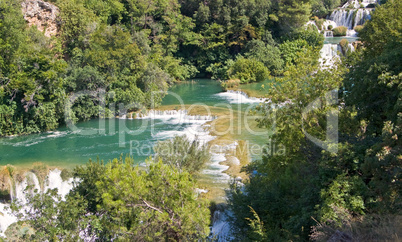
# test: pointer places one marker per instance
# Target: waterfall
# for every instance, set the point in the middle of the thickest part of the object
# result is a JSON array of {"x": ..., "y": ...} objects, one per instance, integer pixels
[
  {"x": 54, "y": 180},
  {"x": 328, "y": 33},
  {"x": 351, "y": 47},
  {"x": 343, "y": 17},
  {"x": 220, "y": 229},
  {"x": 240, "y": 97},
  {"x": 329, "y": 54},
  {"x": 31, "y": 182},
  {"x": 179, "y": 115},
  {"x": 350, "y": 18},
  {"x": 362, "y": 15}
]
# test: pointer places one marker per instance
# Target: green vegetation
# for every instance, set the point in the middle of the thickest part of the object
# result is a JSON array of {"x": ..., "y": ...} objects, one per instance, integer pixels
[
  {"x": 352, "y": 185},
  {"x": 322, "y": 8},
  {"x": 344, "y": 45},
  {"x": 248, "y": 70},
  {"x": 347, "y": 179},
  {"x": 132, "y": 50},
  {"x": 183, "y": 154},
  {"x": 340, "y": 31},
  {"x": 120, "y": 200},
  {"x": 358, "y": 28}
]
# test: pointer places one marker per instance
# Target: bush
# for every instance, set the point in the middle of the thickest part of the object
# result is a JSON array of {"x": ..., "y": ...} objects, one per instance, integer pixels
[
  {"x": 340, "y": 31},
  {"x": 183, "y": 154},
  {"x": 268, "y": 54},
  {"x": 319, "y": 23},
  {"x": 358, "y": 28},
  {"x": 232, "y": 83},
  {"x": 330, "y": 27},
  {"x": 344, "y": 45},
  {"x": 248, "y": 70}
]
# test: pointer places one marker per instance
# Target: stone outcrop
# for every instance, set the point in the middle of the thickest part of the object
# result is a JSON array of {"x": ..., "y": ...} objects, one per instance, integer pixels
[{"x": 41, "y": 14}]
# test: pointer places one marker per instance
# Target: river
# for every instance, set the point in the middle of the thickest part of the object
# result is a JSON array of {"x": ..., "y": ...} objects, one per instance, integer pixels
[{"x": 109, "y": 138}]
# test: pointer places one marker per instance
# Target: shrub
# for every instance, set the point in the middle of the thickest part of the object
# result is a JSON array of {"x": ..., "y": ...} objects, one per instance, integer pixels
[
  {"x": 358, "y": 28},
  {"x": 340, "y": 31},
  {"x": 232, "y": 83},
  {"x": 330, "y": 27},
  {"x": 319, "y": 23},
  {"x": 344, "y": 45},
  {"x": 248, "y": 70},
  {"x": 66, "y": 174},
  {"x": 183, "y": 154}
]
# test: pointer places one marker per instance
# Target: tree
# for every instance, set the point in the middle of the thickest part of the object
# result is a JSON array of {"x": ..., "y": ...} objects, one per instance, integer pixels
[
  {"x": 183, "y": 154},
  {"x": 120, "y": 201},
  {"x": 284, "y": 188},
  {"x": 270, "y": 55},
  {"x": 374, "y": 82},
  {"x": 248, "y": 70}
]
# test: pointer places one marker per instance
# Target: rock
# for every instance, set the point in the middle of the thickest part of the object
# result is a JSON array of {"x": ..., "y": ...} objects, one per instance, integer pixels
[{"x": 41, "y": 14}]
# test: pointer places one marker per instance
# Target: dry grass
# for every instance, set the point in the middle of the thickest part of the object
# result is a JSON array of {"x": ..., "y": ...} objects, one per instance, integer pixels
[
  {"x": 232, "y": 83},
  {"x": 363, "y": 228}
]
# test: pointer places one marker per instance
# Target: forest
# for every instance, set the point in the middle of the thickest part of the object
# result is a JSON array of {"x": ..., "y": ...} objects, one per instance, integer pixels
[{"x": 132, "y": 49}]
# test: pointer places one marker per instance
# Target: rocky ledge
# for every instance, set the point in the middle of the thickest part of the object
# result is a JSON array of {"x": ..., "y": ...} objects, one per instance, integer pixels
[{"x": 41, "y": 14}]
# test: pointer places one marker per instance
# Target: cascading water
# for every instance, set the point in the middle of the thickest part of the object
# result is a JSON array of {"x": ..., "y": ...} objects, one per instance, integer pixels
[
  {"x": 351, "y": 14},
  {"x": 241, "y": 97},
  {"x": 328, "y": 34},
  {"x": 329, "y": 54},
  {"x": 30, "y": 184},
  {"x": 350, "y": 18},
  {"x": 54, "y": 180}
]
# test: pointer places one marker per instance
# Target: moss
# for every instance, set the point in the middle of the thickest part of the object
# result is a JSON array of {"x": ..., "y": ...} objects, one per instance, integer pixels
[
  {"x": 242, "y": 152},
  {"x": 358, "y": 28},
  {"x": 5, "y": 195},
  {"x": 66, "y": 174},
  {"x": 344, "y": 45},
  {"x": 41, "y": 171},
  {"x": 319, "y": 23},
  {"x": 10, "y": 170},
  {"x": 232, "y": 83}
]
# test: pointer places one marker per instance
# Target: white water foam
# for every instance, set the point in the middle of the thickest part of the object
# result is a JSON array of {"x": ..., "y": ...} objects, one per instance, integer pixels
[
  {"x": 53, "y": 180},
  {"x": 215, "y": 169},
  {"x": 176, "y": 116},
  {"x": 220, "y": 229},
  {"x": 329, "y": 55},
  {"x": 240, "y": 97},
  {"x": 6, "y": 219}
]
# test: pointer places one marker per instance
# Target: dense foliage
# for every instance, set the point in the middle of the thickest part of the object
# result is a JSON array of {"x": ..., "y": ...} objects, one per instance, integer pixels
[
  {"x": 352, "y": 182},
  {"x": 183, "y": 154},
  {"x": 119, "y": 201},
  {"x": 343, "y": 175},
  {"x": 129, "y": 52}
]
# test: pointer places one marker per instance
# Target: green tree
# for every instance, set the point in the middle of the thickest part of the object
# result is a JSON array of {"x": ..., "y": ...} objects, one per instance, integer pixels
[
  {"x": 120, "y": 201},
  {"x": 270, "y": 55},
  {"x": 248, "y": 70},
  {"x": 183, "y": 154}
]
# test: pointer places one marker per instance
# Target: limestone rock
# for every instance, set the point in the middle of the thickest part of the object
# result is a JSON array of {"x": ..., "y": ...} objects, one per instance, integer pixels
[{"x": 41, "y": 14}]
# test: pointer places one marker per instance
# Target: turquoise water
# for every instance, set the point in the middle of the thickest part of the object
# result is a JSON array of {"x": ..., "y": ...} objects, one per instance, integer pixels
[
  {"x": 108, "y": 139},
  {"x": 336, "y": 40}
]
